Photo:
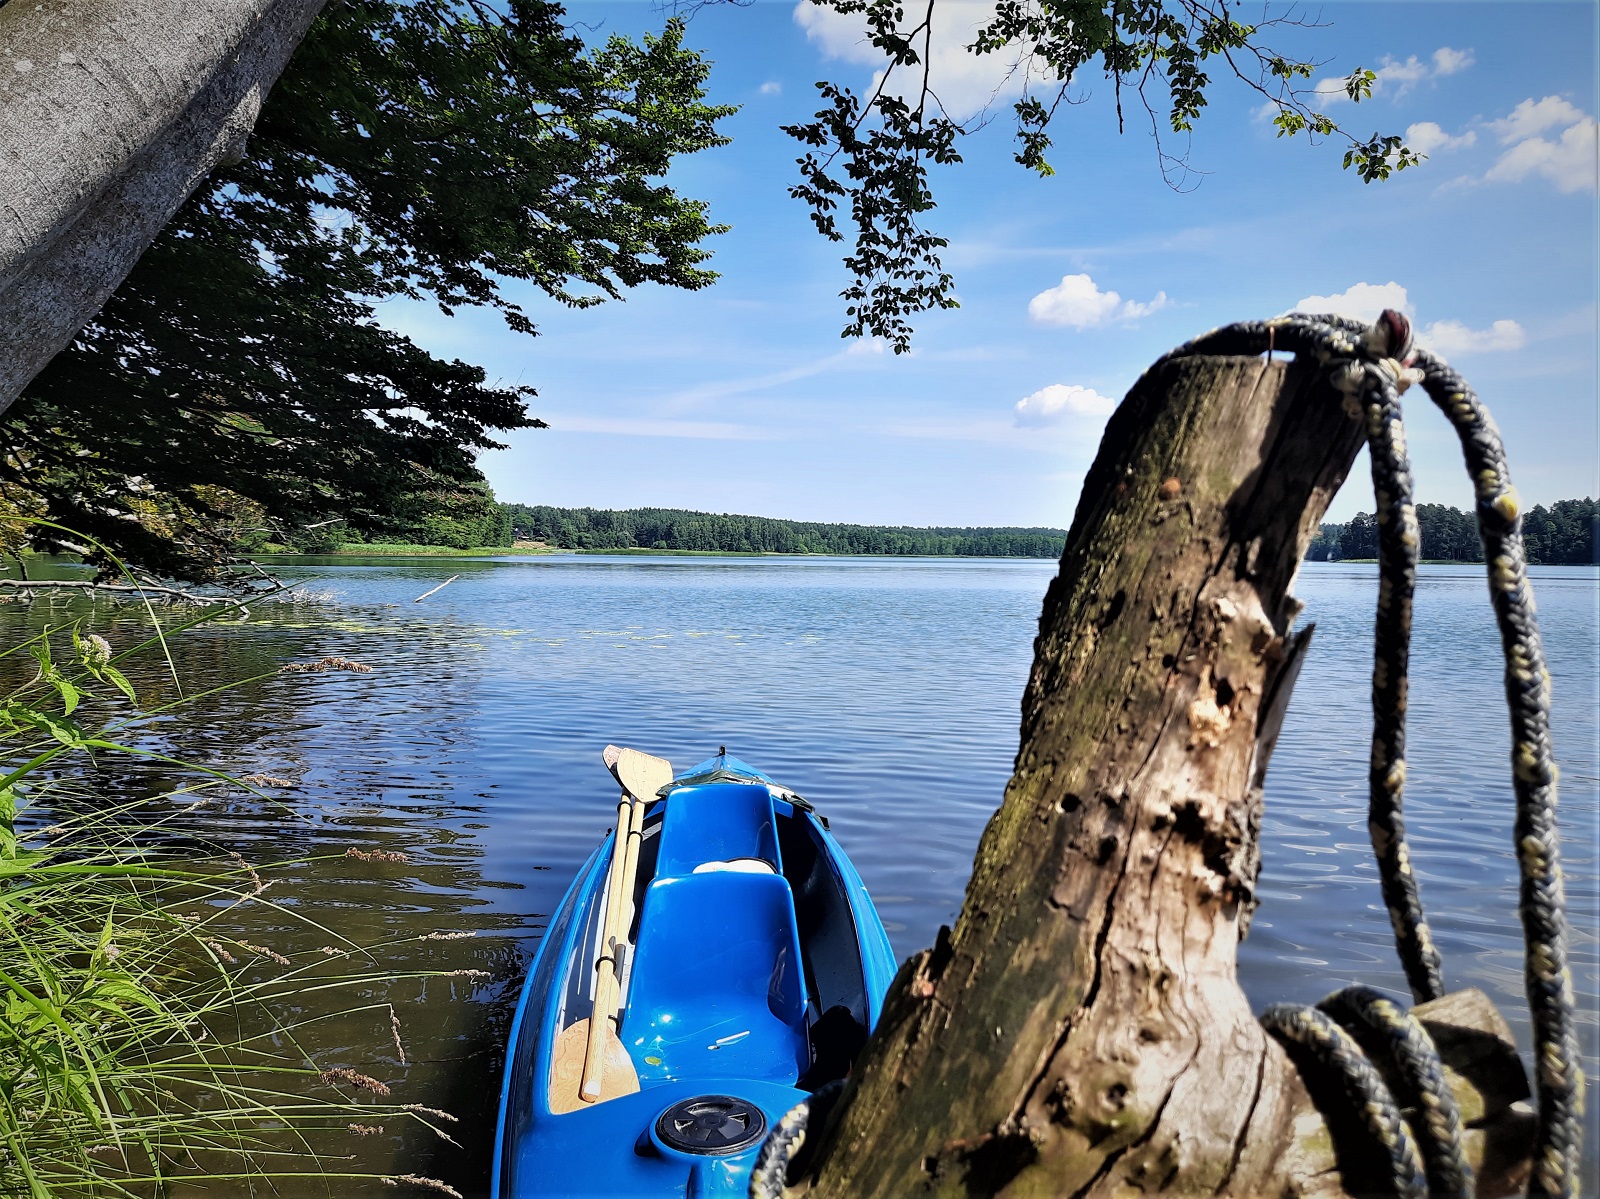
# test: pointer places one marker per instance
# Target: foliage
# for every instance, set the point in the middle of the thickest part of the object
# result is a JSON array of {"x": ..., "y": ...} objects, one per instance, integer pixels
[
  {"x": 1324, "y": 546},
  {"x": 1359, "y": 539},
  {"x": 871, "y": 157},
  {"x": 464, "y": 518},
  {"x": 1564, "y": 534},
  {"x": 237, "y": 382},
  {"x": 142, "y": 1042},
  {"x": 676, "y": 529}
]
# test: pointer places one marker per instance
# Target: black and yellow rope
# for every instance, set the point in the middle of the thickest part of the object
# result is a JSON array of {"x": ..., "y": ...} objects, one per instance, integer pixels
[{"x": 771, "y": 1173}]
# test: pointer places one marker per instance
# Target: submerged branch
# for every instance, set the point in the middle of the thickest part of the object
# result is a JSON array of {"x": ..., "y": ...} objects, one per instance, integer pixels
[{"x": 25, "y": 589}]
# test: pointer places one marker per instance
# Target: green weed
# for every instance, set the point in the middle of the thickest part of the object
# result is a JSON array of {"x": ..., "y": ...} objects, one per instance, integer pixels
[{"x": 145, "y": 1041}]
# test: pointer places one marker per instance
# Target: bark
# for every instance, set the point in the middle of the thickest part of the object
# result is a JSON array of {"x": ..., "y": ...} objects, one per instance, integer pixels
[
  {"x": 1082, "y": 1031},
  {"x": 113, "y": 113}
]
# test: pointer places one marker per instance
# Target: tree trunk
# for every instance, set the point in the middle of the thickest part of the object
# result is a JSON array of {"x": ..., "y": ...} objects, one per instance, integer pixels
[
  {"x": 113, "y": 113},
  {"x": 1082, "y": 1030}
]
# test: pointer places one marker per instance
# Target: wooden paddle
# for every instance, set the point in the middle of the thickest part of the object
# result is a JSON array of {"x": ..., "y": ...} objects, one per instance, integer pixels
[{"x": 590, "y": 1062}]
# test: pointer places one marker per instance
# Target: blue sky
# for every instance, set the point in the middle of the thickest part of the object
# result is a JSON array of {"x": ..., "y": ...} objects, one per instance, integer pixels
[{"x": 743, "y": 398}]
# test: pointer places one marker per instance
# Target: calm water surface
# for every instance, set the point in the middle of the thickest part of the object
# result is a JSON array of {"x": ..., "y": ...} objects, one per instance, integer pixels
[{"x": 885, "y": 691}]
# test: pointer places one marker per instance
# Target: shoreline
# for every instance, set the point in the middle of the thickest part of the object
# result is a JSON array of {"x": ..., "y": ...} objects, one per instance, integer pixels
[
  {"x": 420, "y": 551},
  {"x": 630, "y": 552}
]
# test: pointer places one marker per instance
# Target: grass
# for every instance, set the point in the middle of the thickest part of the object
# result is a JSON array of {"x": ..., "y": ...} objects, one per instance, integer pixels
[{"x": 141, "y": 1037}]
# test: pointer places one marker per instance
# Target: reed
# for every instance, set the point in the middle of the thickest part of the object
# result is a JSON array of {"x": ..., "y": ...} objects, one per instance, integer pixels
[{"x": 143, "y": 1035}]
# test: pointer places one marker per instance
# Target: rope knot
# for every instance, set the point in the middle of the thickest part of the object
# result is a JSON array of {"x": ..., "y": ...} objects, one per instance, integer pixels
[{"x": 1391, "y": 337}]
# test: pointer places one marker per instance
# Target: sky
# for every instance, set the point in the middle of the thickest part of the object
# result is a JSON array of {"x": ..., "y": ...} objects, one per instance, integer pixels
[{"x": 743, "y": 397}]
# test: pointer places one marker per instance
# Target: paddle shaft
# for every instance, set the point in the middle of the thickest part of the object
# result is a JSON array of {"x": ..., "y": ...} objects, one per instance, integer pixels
[{"x": 607, "y": 989}]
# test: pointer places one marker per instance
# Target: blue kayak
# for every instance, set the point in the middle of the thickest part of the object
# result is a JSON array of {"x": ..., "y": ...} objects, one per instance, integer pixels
[{"x": 753, "y": 969}]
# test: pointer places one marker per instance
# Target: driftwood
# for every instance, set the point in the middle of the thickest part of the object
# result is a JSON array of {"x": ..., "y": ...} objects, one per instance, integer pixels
[
  {"x": 31, "y": 588},
  {"x": 431, "y": 590},
  {"x": 114, "y": 113},
  {"x": 1081, "y": 1031}
]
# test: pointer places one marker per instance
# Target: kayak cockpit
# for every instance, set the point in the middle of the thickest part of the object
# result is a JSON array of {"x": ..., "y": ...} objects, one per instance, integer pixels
[{"x": 734, "y": 955}]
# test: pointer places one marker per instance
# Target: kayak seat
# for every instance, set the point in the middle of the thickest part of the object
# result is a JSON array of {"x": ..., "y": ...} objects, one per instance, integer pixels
[
  {"x": 717, "y": 822},
  {"x": 716, "y": 989}
]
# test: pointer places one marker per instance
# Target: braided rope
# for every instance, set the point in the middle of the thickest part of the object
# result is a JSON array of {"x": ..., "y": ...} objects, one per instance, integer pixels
[
  {"x": 1318, "y": 1038},
  {"x": 1542, "y": 907},
  {"x": 1386, "y": 1031},
  {"x": 771, "y": 1173},
  {"x": 1399, "y": 544}
]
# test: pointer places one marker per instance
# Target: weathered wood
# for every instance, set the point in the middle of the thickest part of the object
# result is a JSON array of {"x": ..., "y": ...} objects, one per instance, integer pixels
[
  {"x": 1082, "y": 1031},
  {"x": 113, "y": 113}
]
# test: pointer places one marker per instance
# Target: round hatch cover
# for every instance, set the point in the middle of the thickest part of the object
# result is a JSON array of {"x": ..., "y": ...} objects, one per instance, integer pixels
[{"x": 711, "y": 1124}]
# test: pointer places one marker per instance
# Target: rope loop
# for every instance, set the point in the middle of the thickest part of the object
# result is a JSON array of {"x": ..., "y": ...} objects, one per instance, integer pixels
[
  {"x": 1391, "y": 1035},
  {"x": 1314, "y": 1039},
  {"x": 788, "y": 1137}
]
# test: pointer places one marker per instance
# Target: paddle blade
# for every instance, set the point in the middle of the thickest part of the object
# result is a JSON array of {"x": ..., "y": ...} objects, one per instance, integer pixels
[
  {"x": 640, "y": 774},
  {"x": 617, "y": 1075}
]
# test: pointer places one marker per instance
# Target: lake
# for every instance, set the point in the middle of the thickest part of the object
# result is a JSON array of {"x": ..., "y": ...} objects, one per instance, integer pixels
[{"x": 885, "y": 690}]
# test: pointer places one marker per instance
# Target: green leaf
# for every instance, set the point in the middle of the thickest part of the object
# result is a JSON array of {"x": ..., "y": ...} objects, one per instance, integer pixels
[
  {"x": 64, "y": 731},
  {"x": 118, "y": 680}
]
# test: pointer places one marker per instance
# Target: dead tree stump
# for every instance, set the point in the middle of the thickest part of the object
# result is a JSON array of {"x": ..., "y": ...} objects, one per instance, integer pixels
[{"x": 1081, "y": 1031}]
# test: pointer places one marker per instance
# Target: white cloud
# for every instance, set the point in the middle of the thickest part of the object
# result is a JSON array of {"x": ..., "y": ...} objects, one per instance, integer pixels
[
  {"x": 965, "y": 83},
  {"x": 1076, "y": 301},
  {"x": 770, "y": 88},
  {"x": 1452, "y": 337},
  {"x": 1535, "y": 116},
  {"x": 1447, "y": 61},
  {"x": 867, "y": 347},
  {"x": 1327, "y": 91},
  {"x": 1363, "y": 301},
  {"x": 1400, "y": 77},
  {"x": 1050, "y": 405},
  {"x": 1568, "y": 162},
  {"x": 1426, "y": 137}
]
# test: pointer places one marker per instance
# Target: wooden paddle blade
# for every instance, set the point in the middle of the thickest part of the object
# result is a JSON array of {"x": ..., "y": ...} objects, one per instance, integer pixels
[
  {"x": 640, "y": 774},
  {"x": 617, "y": 1077}
]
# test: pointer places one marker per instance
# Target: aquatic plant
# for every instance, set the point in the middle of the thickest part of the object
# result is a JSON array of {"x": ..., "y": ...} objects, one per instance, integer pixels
[{"x": 144, "y": 1039}]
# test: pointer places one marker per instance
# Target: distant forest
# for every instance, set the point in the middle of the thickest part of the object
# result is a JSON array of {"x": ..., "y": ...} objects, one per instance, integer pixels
[
  {"x": 677, "y": 529},
  {"x": 1564, "y": 534}
]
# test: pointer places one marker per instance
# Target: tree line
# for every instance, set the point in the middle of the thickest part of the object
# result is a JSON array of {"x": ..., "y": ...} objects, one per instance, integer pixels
[
  {"x": 1564, "y": 534},
  {"x": 678, "y": 529}
]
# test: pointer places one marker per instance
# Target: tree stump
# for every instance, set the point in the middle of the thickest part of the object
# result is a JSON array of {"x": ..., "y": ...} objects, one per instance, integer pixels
[{"x": 1081, "y": 1031}]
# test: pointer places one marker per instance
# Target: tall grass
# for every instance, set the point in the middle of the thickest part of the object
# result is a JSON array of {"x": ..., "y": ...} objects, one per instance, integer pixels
[{"x": 143, "y": 1041}]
